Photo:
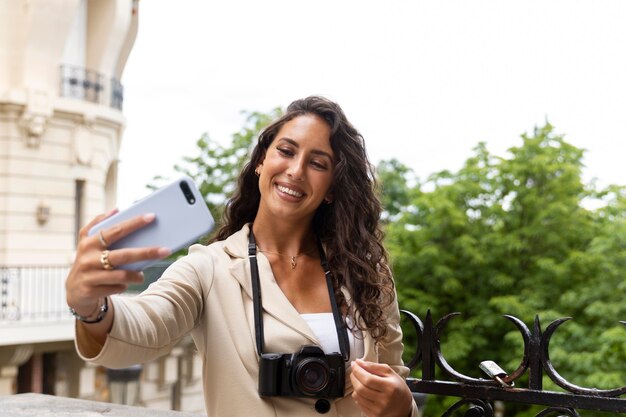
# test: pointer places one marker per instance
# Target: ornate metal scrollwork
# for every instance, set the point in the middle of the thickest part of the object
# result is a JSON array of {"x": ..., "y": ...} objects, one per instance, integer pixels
[
  {"x": 480, "y": 391},
  {"x": 560, "y": 410},
  {"x": 477, "y": 408},
  {"x": 557, "y": 378}
]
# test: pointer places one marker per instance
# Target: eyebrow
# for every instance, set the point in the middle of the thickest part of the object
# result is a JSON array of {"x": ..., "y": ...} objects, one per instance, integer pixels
[{"x": 314, "y": 151}]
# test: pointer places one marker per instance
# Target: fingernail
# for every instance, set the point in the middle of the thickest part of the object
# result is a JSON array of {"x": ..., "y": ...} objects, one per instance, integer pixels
[
  {"x": 149, "y": 217},
  {"x": 163, "y": 252},
  {"x": 112, "y": 212}
]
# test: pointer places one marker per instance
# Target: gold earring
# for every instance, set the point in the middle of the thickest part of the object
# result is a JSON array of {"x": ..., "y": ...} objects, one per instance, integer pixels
[{"x": 257, "y": 171}]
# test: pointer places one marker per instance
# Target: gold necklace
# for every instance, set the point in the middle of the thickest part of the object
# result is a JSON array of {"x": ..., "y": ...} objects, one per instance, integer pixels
[{"x": 293, "y": 258}]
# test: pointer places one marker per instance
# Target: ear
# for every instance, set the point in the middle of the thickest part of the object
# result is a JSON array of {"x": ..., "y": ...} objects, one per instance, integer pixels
[
  {"x": 259, "y": 164},
  {"x": 329, "y": 198}
]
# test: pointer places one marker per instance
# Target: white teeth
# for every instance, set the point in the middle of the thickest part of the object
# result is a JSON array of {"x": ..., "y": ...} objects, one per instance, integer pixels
[{"x": 289, "y": 191}]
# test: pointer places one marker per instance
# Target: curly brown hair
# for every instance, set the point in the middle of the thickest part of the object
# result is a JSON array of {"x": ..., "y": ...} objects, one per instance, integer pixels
[{"x": 348, "y": 227}]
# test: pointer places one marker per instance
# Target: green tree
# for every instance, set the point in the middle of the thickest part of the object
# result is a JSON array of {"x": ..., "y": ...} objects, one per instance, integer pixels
[
  {"x": 513, "y": 236},
  {"x": 399, "y": 182}
]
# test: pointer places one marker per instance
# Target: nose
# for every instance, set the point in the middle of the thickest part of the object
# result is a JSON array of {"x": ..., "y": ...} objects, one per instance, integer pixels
[{"x": 296, "y": 168}]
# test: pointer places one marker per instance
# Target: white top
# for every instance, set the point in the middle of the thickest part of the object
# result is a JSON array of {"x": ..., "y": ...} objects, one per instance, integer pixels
[{"x": 323, "y": 327}]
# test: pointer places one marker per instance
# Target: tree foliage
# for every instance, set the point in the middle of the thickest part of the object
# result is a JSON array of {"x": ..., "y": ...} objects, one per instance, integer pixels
[
  {"x": 521, "y": 235},
  {"x": 514, "y": 236}
]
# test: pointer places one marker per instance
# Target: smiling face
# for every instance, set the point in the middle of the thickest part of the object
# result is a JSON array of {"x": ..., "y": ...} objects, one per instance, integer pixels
[{"x": 297, "y": 172}]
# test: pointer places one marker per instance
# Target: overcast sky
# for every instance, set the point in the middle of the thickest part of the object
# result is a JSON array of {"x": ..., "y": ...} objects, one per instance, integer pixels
[{"x": 424, "y": 81}]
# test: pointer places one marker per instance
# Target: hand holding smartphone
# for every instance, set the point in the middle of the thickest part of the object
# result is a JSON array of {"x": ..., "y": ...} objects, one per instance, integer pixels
[{"x": 182, "y": 217}]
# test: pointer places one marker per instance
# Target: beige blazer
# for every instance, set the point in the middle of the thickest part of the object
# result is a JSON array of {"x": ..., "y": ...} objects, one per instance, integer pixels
[{"x": 208, "y": 293}]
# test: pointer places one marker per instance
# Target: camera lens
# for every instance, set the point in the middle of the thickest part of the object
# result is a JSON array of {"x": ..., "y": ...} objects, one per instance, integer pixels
[
  {"x": 311, "y": 376},
  {"x": 187, "y": 192}
]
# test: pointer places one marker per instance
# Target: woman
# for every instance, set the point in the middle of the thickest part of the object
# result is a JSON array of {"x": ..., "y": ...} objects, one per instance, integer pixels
[{"x": 304, "y": 222}]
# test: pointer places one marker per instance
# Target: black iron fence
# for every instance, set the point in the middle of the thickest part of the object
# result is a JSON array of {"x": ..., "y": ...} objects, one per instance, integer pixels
[
  {"x": 477, "y": 396},
  {"x": 89, "y": 85}
]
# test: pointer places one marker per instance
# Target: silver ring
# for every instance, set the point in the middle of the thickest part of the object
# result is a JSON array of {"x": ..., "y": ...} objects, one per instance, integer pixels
[
  {"x": 104, "y": 260},
  {"x": 102, "y": 240}
]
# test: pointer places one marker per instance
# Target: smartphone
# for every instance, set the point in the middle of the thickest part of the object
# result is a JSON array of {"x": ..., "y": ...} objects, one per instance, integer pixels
[{"x": 182, "y": 217}]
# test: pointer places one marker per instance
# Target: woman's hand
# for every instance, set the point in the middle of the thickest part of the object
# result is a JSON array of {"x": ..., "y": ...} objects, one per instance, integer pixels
[
  {"x": 379, "y": 390},
  {"x": 89, "y": 279}
]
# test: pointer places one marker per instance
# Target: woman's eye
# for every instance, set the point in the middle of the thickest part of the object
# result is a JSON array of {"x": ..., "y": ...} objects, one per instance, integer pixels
[
  {"x": 285, "y": 151},
  {"x": 318, "y": 165}
]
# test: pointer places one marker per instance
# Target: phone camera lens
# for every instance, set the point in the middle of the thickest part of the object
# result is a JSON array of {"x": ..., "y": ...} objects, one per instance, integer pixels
[{"x": 187, "y": 192}]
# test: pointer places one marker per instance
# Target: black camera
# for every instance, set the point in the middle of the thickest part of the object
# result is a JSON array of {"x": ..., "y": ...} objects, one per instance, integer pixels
[{"x": 306, "y": 373}]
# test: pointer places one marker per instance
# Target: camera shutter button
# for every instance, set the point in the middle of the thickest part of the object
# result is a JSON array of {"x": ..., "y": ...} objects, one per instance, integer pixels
[{"x": 322, "y": 406}]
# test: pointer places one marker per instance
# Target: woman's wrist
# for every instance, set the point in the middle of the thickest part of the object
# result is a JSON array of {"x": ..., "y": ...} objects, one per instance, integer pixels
[
  {"x": 96, "y": 315},
  {"x": 85, "y": 310}
]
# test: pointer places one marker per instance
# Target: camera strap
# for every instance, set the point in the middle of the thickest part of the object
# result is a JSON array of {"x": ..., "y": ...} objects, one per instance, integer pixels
[{"x": 340, "y": 326}]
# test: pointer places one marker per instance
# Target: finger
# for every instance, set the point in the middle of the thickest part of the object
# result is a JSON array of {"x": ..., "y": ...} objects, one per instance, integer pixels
[
  {"x": 380, "y": 369},
  {"x": 126, "y": 227},
  {"x": 367, "y": 379},
  {"x": 354, "y": 380},
  {"x": 120, "y": 257},
  {"x": 83, "y": 288},
  {"x": 357, "y": 385},
  {"x": 85, "y": 229},
  {"x": 366, "y": 393},
  {"x": 92, "y": 285},
  {"x": 115, "y": 277}
]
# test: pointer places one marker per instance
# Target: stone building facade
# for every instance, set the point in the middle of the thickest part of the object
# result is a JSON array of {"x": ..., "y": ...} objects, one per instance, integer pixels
[{"x": 61, "y": 126}]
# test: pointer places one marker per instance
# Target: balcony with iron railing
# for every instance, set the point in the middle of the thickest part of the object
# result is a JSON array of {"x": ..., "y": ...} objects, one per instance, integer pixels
[
  {"x": 32, "y": 302},
  {"x": 85, "y": 84},
  {"x": 32, "y": 305}
]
